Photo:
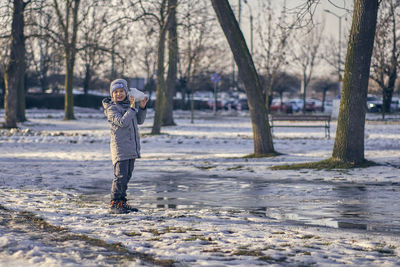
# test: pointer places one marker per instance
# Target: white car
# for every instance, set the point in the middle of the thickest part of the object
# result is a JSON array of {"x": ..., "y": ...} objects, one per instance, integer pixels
[
  {"x": 395, "y": 105},
  {"x": 297, "y": 104}
]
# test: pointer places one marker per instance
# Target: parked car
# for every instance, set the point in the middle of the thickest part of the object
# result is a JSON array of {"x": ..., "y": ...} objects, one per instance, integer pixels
[
  {"x": 275, "y": 105},
  {"x": 374, "y": 104},
  {"x": 311, "y": 105},
  {"x": 315, "y": 104},
  {"x": 211, "y": 102},
  {"x": 296, "y": 104},
  {"x": 278, "y": 106},
  {"x": 231, "y": 104}
]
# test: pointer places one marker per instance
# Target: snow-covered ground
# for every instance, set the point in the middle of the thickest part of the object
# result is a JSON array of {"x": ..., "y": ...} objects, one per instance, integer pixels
[{"x": 201, "y": 202}]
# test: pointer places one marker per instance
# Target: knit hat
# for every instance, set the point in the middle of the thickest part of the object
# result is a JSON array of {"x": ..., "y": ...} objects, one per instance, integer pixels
[{"x": 118, "y": 83}]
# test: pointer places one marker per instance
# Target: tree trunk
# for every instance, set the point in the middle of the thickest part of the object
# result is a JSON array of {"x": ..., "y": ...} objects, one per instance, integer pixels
[
  {"x": 43, "y": 68},
  {"x": 86, "y": 80},
  {"x": 168, "y": 118},
  {"x": 349, "y": 141},
  {"x": 304, "y": 85},
  {"x": 70, "y": 52},
  {"x": 323, "y": 100},
  {"x": 15, "y": 70},
  {"x": 259, "y": 115},
  {"x": 21, "y": 105},
  {"x": 44, "y": 83},
  {"x": 388, "y": 91},
  {"x": 281, "y": 99},
  {"x": 268, "y": 94},
  {"x": 113, "y": 74},
  {"x": 161, "y": 88},
  {"x": 21, "y": 97},
  {"x": 69, "y": 97}
]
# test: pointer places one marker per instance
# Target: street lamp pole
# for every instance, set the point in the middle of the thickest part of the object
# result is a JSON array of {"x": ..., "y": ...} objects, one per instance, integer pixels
[{"x": 340, "y": 44}]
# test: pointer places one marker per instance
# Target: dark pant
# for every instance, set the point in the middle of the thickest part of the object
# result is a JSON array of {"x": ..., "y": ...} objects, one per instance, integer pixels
[{"x": 122, "y": 174}]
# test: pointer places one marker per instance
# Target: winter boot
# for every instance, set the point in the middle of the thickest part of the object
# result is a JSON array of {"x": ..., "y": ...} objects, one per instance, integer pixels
[
  {"x": 117, "y": 207},
  {"x": 128, "y": 207}
]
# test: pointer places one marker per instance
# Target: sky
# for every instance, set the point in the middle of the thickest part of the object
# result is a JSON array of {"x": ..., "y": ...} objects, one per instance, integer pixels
[{"x": 332, "y": 22}]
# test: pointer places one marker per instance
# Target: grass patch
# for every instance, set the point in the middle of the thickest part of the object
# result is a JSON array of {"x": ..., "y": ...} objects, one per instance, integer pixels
[
  {"x": 245, "y": 252},
  {"x": 270, "y": 259},
  {"x": 205, "y": 167},
  {"x": 278, "y": 233},
  {"x": 173, "y": 229},
  {"x": 133, "y": 234},
  {"x": 307, "y": 236},
  {"x": 192, "y": 238},
  {"x": 170, "y": 229},
  {"x": 212, "y": 250},
  {"x": 256, "y": 156},
  {"x": 325, "y": 243},
  {"x": 29, "y": 217},
  {"x": 198, "y": 237},
  {"x": 156, "y": 232},
  {"x": 238, "y": 167},
  {"x": 328, "y": 164}
]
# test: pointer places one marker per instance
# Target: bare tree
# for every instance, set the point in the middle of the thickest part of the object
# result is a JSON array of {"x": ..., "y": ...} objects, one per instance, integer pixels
[
  {"x": 94, "y": 43},
  {"x": 274, "y": 35},
  {"x": 146, "y": 58},
  {"x": 306, "y": 56},
  {"x": 332, "y": 51},
  {"x": 46, "y": 54},
  {"x": 70, "y": 15},
  {"x": 324, "y": 85},
  {"x": 15, "y": 70},
  {"x": 168, "y": 118},
  {"x": 349, "y": 141},
  {"x": 162, "y": 22},
  {"x": 199, "y": 43},
  {"x": 385, "y": 56},
  {"x": 263, "y": 144},
  {"x": 284, "y": 83},
  {"x": 68, "y": 22}
]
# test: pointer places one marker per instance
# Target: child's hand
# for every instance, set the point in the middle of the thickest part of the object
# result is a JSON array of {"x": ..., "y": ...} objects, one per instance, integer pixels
[
  {"x": 132, "y": 101},
  {"x": 143, "y": 102}
]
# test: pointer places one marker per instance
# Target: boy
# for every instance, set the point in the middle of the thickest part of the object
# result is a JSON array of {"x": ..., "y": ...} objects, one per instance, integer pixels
[{"x": 124, "y": 142}]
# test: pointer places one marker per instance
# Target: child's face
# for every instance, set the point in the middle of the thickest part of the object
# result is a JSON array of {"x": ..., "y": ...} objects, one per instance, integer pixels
[{"x": 119, "y": 94}]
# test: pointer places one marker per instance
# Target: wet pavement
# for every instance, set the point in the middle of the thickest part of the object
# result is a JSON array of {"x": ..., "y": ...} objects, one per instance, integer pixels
[{"x": 369, "y": 206}]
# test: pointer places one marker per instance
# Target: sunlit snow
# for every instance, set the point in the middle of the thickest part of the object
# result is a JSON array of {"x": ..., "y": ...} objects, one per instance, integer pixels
[{"x": 201, "y": 202}]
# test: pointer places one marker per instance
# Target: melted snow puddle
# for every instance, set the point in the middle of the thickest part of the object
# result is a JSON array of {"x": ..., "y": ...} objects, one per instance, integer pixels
[{"x": 339, "y": 205}]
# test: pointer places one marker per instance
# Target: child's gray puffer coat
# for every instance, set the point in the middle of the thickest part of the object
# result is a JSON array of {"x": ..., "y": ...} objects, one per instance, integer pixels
[{"x": 125, "y": 140}]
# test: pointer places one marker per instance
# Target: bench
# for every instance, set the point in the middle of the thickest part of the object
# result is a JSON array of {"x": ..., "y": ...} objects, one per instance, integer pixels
[{"x": 325, "y": 119}]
